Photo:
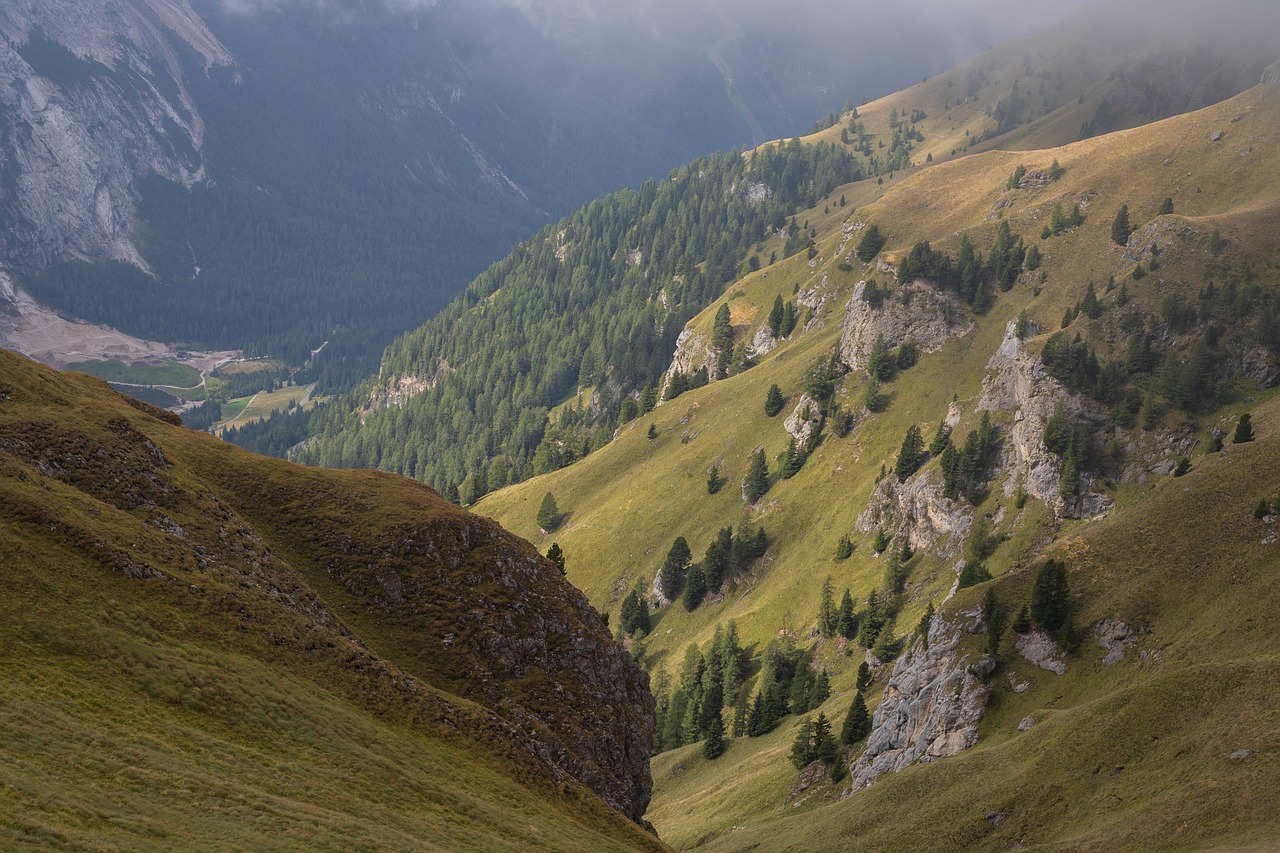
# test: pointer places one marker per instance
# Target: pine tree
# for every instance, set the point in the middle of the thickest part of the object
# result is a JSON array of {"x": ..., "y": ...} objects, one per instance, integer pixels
[
  {"x": 671, "y": 576},
  {"x": 773, "y": 401},
  {"x": 695, "y": 587},
  {"x": 864, "y": 677},
  {"x": 713, "y": 746},
  {"x": 718, "y": 561},
  {"x": 634, "y": 615},
  {"x": 756, "y": 482},
  {"x": 1022, "y": 622},
  {"x": 993, "y": 616},
  {"x": 847, "y": 621},
  {"x": 1120, "y": 228},
  {"x": 1166, "y": 207},
  {"x": 820, "y": 690},
  {"x": 715, "y": 482},
  {"x": 881, "y": 541},
  {"x": 870, "y": 244},
  {"x": 721, "y": 330},
  {"x": 844, "y": 548},
  {"x": 926, "y": 621},
  {"x": 548, "y": 513},
  {"x": 912, "y": 454},
  {"x": 828, "y": 616},
  {"x": 880, "y": 361},
  {"x": 802, "y": 746},
  {"x": 857, "y": 723},
  {"x": 775, "y": 317},
  {"x": 793, "y": 459},
  {"x": 556, "y": 555},
  {"x": 1050, "y": 602},
  {"x": 822, "y": 744},
  {"x": 653, "y": 432},
  {"x": 1244, "y": 430},
  {"x": 941, "y": 438}
]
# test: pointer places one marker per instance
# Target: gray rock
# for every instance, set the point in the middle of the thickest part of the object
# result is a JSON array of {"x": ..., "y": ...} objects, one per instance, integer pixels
[
  {"x": 918, "y": 510},
  {"x": 1217, "y": 135},
  {"x": 1240, "y": 754},
  {"x": 1016, "y": 683},
  {"x": 932, "y": 706},
  {"x": 1017, "y": 381},
  {"x": 931, "y": 319},
  {"x": 1026, "y": 724},
  {"x": 1116, "y": 637},
  {"x": 1040, "y": 649},
  {"x": 799, "y": 426}
]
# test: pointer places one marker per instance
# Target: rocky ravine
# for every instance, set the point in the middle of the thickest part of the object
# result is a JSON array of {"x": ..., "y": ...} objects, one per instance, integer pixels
[
  {"x": 932, "y": 706},
  {"x": 92, "y": 95}
]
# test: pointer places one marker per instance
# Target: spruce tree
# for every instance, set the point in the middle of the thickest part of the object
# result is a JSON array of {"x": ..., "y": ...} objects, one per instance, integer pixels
[
  {"x": 713, "y": 746},
  {"x": 756, "y": 482},
  {"x": 926, "y": 621},
  {"x": 822, "y": 744},
  {"x": 1244, "y": 430},
  {"x": 881, "y": 541},
  {"x": 864, "y": 677},
  {"x": 847, "y": 621},
  {"x": 548, "y": 513},
  {"x": 721, "y": 330},
  {"x": 828, "y": 616},
  {"x": 1050, "y": 601},
  {"x": 775, "y": 317},
  {"x": 671, "y": 576},
  {"x": 844, "y": 548},
  {"x": 715, "y": 481},
  {"x": 820, "y": 690},
  {"x": 802, "y": 746},
  {"x": 773, "y": 401},
  {"x": 911, "y": 455},
  {"x": 857, "y": 723},
  {"x": 1120, "y": 228},
  {"x": 695, "y": 587},
  {"x": 870, "y": 244},
  {"x": 941, "y": 438},
  {"x": 556, "y": 555},
  {"x": 880, "y": 362},
  {"x": 993, "y": 616},
  {"x": 653, "y": 432},
  {"x": 1166, "y": 207}
]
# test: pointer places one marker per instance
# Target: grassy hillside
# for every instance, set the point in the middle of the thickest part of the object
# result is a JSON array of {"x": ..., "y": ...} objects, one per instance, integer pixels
[
  {"x": 204, "y": 649},
  {"x": 1161, "y": 727}
]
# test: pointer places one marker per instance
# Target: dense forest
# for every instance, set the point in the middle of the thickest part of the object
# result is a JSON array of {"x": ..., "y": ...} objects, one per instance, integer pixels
[{"x": 595, "y": 301}]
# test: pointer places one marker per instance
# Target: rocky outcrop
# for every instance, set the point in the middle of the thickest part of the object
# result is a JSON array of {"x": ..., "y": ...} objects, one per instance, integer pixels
[
  {"x": 1038, "y": 648},
  {"x": 803, "y": 420},
  {"x": 932, "y": 706},
  {"x": 1271, "y": 77},
  {"x": 761, "y": 343},
  {"x": 693, "y": 351},
  {"x": 918, "y": 510},
  {"x": 1017, "y": 382},
  {"x": 1115, "y": 637},
  {"x": 93, "y": 95},
  {"x": 917, "y": 312}
]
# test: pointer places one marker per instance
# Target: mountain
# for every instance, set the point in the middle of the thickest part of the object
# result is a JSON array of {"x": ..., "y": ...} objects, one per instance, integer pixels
[
  {"x": 1099, "y": 367},
  {"x": 446, "y": 405},
  {"x": 271, "y": 176},
  {"x": 206, "y": 648}
]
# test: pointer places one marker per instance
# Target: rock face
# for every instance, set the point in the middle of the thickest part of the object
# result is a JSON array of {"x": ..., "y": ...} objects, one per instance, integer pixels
[
  {"x": 918, "y": 510},
  {"x": 803, "y": 419},
  {"x": 1017, "y": 381},
  {"x": 693, "y": 350},
  {"x": 933, "y": 704},
  {"x": 1115, "y": 637},
  {"x": 929, "y": 317},
  {"x": 93, "y": 95}
]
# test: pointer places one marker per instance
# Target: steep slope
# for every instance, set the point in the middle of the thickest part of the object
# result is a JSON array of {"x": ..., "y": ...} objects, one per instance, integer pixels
[
  {"x": 284, "y": 657},
  {"x": 1193, "y": 283}
]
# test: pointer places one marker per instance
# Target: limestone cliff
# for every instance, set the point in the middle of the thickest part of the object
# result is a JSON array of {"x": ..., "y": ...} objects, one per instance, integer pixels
[
  {"x": 917, "y": 312},
  {"x": 932, "y": 706},
  {"x": 93, "y": 95}
]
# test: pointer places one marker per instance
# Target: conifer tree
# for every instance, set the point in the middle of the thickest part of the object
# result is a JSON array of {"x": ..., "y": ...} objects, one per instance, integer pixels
[
  {"x": 718, "y": 560},
  {"x": 556, "y": 555},
  {"x": 671, "y": 576},
  {"x": 653, "y": 432},
  {"x": 713, "y": 746},
  {"x": 847, "y": 621},
  {"x": 1050, "y": 602},
  {"x": 773, "y": 401},
  {"x": 844, "y": 548},
  {"x": 1166, "y": 207},
  {"x": 793, "y": 459},
  {"x": 695, "y": 587},
  {"x": 828, "y": 616},
  {"x": 715, "y": 481},
  {"x": 880, "y": 361},
  {"x": 911, "y": 455},
  {"x": 881, "y": 541},
  {"x": 1120, "y": 228},
  {"x": 721, "y": 330},
  {"x": 802, "y": 746},
  {"x": 864, "y": 677},
  {"x": 756, "y": 482},
  {"x": 857, "y": 723},
  {"x": 634, "y": 615},
  {"x": 820, "y": 690},
  {"x": 789, "y": 319},
  {"x": 941, "y": 438},
  {"x": 823, "y": 746},
  {"x": 548, "y": 513},
  {"x": 993, "y": 616},
  {"x": 775, "y": 317},
  {"x": 1244, "y": 430},
  {"x": 925, "y": 622},
  {"x": 870, "y": 244}
]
